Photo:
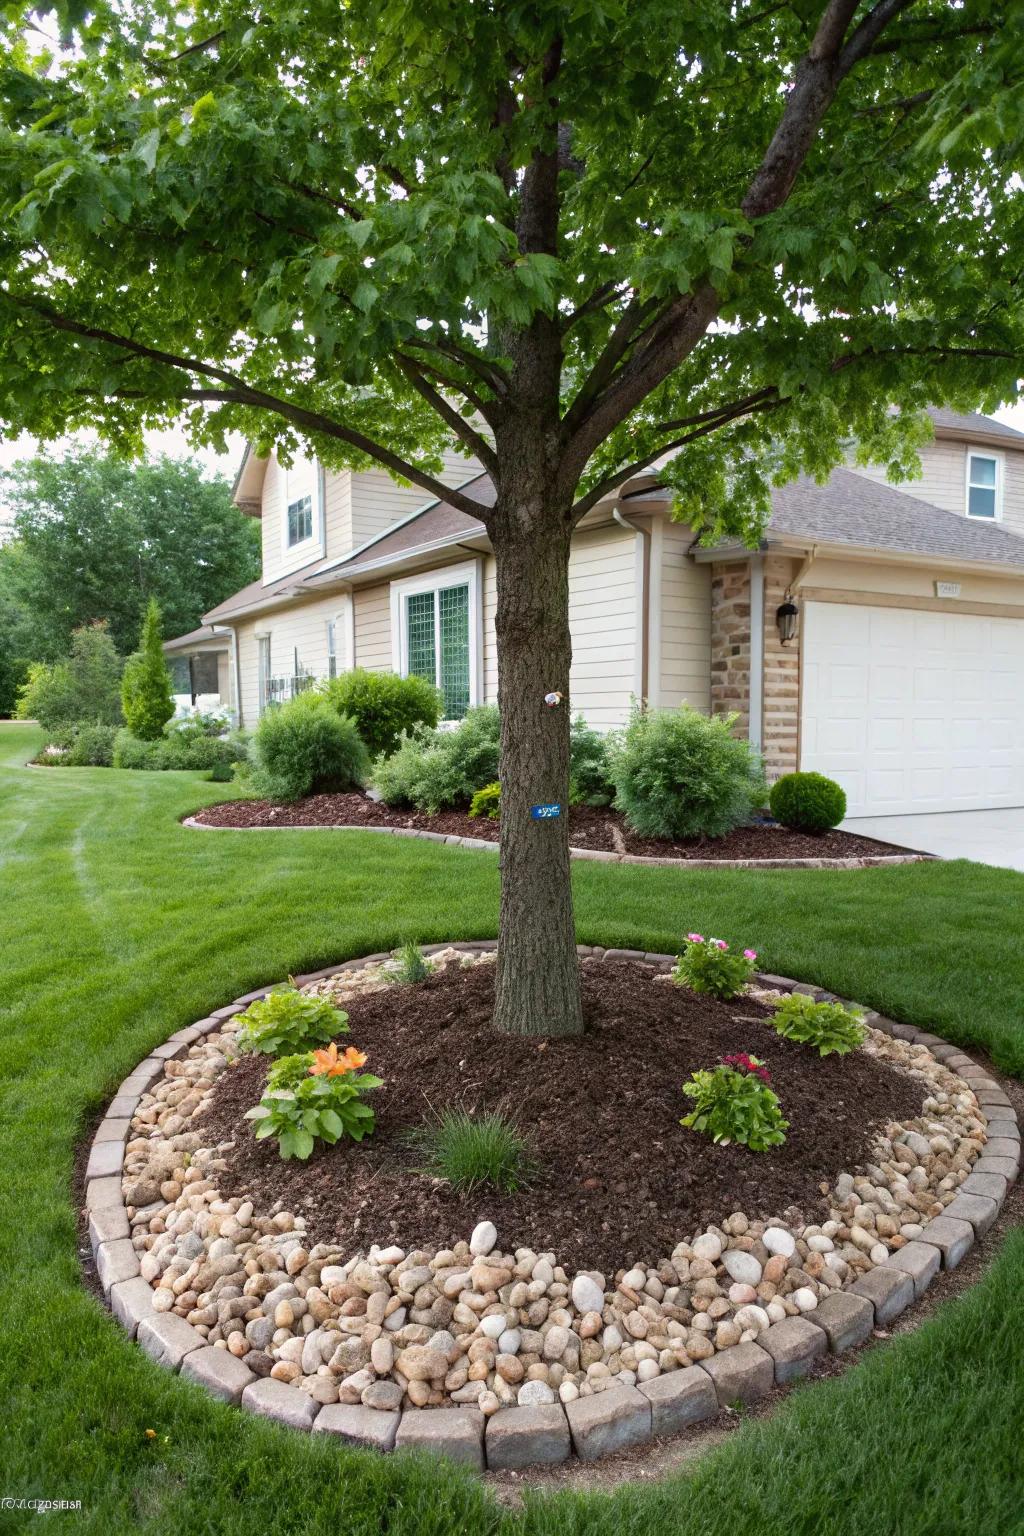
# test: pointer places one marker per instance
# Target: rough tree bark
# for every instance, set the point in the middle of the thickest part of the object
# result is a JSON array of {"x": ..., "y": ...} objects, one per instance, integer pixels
[{"x": 538, "y": 984}]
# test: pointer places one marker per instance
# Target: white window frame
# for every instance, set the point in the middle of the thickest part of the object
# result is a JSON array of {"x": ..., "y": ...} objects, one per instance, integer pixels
[
  {"x": 469, "y": 573},
  {"x": 301, "y": 553},
  {"x": 264, "y": 670},
  {"x": 343, "y": 625},
  {"x": 997, "y": 459}
]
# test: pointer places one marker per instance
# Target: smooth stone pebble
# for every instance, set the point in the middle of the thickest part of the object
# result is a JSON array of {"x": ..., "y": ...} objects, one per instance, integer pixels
[
  {"x": 742, "y": 1267},
  {"x": 587, "y": 1295},
  {"x": 778, "y": 1240},
  {"x": 485, "y": 1235},
  {"x": 533, "y": 1393}
]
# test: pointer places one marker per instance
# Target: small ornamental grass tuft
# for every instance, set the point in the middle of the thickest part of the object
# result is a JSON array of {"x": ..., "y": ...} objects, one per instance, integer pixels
[
  {"x": 470, "y": 1152},
  {"x": 734, "y": 1102},
  {"x": 832, "y": 1029},
  {"x": 709, "y": 965},
  {"x": 315, "y": 1096},
  {"x": 411, "y": 965},
  {"x": 287, "y": 1020}
]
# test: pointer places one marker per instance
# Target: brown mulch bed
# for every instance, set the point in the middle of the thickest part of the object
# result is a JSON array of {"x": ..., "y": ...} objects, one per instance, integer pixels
[
  {"x": 589, "y": 827},
  {"x": 619, "y": 1179}
]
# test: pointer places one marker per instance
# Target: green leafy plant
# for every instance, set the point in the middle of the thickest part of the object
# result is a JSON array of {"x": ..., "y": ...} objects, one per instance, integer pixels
[
  {"x": 807, "y": 802},
  {"x": 86, "y": 687},
  {"x": 487, "y": 802},
  {"x": 287, "y": 1021},
  {"x": 709, "y": 965},
  {"x": 80, "y": 746},
  {"x": 222, "y": 773},
  {"x": 146, "y": 682},
  {"x": 734, "y": 1102},
  {"x": 383, "y": 705},
  {"x": 435, "y": 769},
  {"x": 305, "y": 747},
  {"x": 179, "y": 750},
  {"x": 589, "y": 775},
  {"x": 317, "y": 1096},
  {"x": 470, "y": 1152},
  {"x": 678, "y": 773},
  {"x": 830, "y": 1027},
  {"x": 411, "y": 965}
]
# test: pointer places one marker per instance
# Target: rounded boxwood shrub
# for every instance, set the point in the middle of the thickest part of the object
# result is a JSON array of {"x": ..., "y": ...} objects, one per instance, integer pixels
[
  {"x": 807, "y": 802},
  {"x": 678, "y": 773},
  {"x": 384, "y": 706},
  {"x": 305, "y": 747}
]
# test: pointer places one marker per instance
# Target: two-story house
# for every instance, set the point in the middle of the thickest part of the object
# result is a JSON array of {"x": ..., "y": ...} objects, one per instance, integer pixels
[{"x": 877, "y": 635}]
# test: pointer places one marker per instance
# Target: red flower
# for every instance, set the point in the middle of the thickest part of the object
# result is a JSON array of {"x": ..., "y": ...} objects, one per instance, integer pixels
[{"x": 742, "y": 1062}]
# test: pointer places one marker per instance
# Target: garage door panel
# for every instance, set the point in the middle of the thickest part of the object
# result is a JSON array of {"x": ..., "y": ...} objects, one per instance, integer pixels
[{"x": 913, "y": 711}]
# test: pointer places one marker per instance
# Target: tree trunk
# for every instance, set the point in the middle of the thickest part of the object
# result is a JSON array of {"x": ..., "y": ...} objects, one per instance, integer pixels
[{"x": 538, "y": 982}]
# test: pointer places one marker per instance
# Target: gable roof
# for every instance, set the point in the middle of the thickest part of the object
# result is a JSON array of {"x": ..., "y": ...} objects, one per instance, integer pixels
[
  {"x": 851, "y": 509},
  {"x": 971, "y": 425}
]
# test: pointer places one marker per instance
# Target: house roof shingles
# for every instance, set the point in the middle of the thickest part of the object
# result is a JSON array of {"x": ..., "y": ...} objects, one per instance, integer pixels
[{"x": 851, "y": 509}]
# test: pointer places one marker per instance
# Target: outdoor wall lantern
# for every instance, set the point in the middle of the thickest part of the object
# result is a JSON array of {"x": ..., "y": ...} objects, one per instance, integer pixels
[{"x": 786, "y": 618}]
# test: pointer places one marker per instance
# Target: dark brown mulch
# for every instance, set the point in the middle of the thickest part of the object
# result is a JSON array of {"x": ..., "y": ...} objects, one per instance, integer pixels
[
  {"x": 589, "y": 827},
  {"x": 619, "y": 1179}
]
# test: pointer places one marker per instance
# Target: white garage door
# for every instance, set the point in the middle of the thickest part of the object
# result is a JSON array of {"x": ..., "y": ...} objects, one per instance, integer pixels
[{"x": 913, "y": 711}]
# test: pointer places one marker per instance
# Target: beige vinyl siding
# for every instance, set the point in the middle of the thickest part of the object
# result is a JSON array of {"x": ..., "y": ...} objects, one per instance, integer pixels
[
  {"x": 943, "y": 479},
  {"x": 490, "y": 603},
  {"x": 682, "y": 671},
  {"x": 373, "y": 627},
  {"x": 377, "y": 501},
  {"x": 602, "y": 619},
  {"x": 911, "y": 581}
]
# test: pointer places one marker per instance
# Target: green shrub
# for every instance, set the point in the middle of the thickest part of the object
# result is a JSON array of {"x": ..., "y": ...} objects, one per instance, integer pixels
[
  {"x": 287, "y": 1020},
  {"x": 589, "y": 779},
  {"x": 305, "y": 747},
  {"x": 410, "y": 966},
  {"x": 487, "y": 802},
  {"x": 829, "y": 1027},
  {"x": 710, "y": 966},
  {"x": 93, "y": 747},
  {"x": 678, "y": 773},
  {"x": 733, "y": 1102},
  {"x": 222, "y": 773},
  {"x": 85, "y": 687},
  {"x": 315, "y": 1097},
  {"x": 178, "y": 751},
  {"x": 807, "y": 802},
  {"x": 384, "y": 706},
  {"x": 433, "y": 769},
  {"x": 471, "y": 1152},
  {"x": 146, "y": 682}
]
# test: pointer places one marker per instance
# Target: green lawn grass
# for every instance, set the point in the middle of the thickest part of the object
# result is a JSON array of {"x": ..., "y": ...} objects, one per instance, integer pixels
[{"x": 118, "y": 926}]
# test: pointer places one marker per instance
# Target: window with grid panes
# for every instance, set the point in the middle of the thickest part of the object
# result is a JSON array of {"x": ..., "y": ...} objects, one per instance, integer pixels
[{"x": 437, "y": 644}]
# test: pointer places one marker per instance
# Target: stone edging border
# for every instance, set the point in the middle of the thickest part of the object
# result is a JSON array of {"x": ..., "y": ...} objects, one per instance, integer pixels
[
  {"x": 591, "y": 1427},
  {"x": 868, "y": 861}
]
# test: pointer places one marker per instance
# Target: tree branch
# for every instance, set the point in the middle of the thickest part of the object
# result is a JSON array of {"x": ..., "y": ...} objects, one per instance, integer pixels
[
  {"x": 448, "y": 414},
  {"x": 245, "y": 394}
]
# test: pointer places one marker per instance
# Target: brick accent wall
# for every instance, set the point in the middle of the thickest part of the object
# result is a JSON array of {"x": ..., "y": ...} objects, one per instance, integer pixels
[
  {"x": 781, "y": 729},
  {"x": 730, "y": 640}
]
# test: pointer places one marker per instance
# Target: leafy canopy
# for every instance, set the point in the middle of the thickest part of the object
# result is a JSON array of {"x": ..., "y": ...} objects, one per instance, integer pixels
[
  {"x": 95, "y": 538},
  {"x": 740, "y": 230}
]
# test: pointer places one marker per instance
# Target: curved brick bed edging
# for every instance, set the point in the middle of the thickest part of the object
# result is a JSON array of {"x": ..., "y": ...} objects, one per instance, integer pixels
[
  {"x": 619, "y": 1417},
  {"x": 868, "y": 861}
]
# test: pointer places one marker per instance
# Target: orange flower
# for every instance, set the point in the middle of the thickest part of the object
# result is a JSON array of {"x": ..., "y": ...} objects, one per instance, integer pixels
[{"x": 329, "y": 1064}]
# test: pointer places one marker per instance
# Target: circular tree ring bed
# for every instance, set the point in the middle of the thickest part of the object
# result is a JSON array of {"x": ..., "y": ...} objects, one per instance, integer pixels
[
  {"x": 594, "y": 832},
  {"x": 642, "y": 1280}
]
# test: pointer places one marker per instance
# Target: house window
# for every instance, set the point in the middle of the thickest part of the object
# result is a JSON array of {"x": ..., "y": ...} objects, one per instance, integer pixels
[
  {"x": 300, "y": 481},
  {"x": 983, "y": 485},
  {"x": 434, "y": 622},
  {"x": 332, "y": 648}
]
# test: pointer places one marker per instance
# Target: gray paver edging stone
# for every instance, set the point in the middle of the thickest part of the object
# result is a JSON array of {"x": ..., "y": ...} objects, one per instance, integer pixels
[
  {"x": 864, "y": 861},
  {"x": 614, "y": 1419}
]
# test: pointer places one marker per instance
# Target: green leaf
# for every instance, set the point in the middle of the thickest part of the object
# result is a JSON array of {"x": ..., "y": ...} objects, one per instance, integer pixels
[{"x": 145, "y": 148}]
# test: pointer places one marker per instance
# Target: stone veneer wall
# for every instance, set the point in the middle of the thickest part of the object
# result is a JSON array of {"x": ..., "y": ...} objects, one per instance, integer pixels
[
  {"x": 781, "y": 714},
  {"x": 730, "y": 640},
  {"x": 730, "y": 658}
]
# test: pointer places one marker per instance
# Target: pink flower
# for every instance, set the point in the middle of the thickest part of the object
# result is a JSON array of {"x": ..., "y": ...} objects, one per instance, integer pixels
[
  {"x": 750, "y": 954},
  {"x": 695, "y": 938},
  {"x": 719, "y": 943}
]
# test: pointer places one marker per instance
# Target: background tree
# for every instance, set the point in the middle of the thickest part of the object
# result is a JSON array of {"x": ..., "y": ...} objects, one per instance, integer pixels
[
  {"x": 97, "y": 536},
  {"x": 146, "y": 682},
  {"x": 83, "y": 689},
  {"x": 580, "y": 238}
]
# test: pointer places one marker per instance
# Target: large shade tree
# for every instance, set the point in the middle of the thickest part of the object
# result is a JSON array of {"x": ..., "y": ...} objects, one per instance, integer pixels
[{"x": 580, "y": 236}]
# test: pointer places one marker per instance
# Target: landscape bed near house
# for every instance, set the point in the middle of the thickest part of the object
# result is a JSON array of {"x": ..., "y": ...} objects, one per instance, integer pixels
[{"x": 875, "y": 636}]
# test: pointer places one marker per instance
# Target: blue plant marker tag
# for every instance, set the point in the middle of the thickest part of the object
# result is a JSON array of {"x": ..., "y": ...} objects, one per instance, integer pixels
[{"x": 545, "y": 812}]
